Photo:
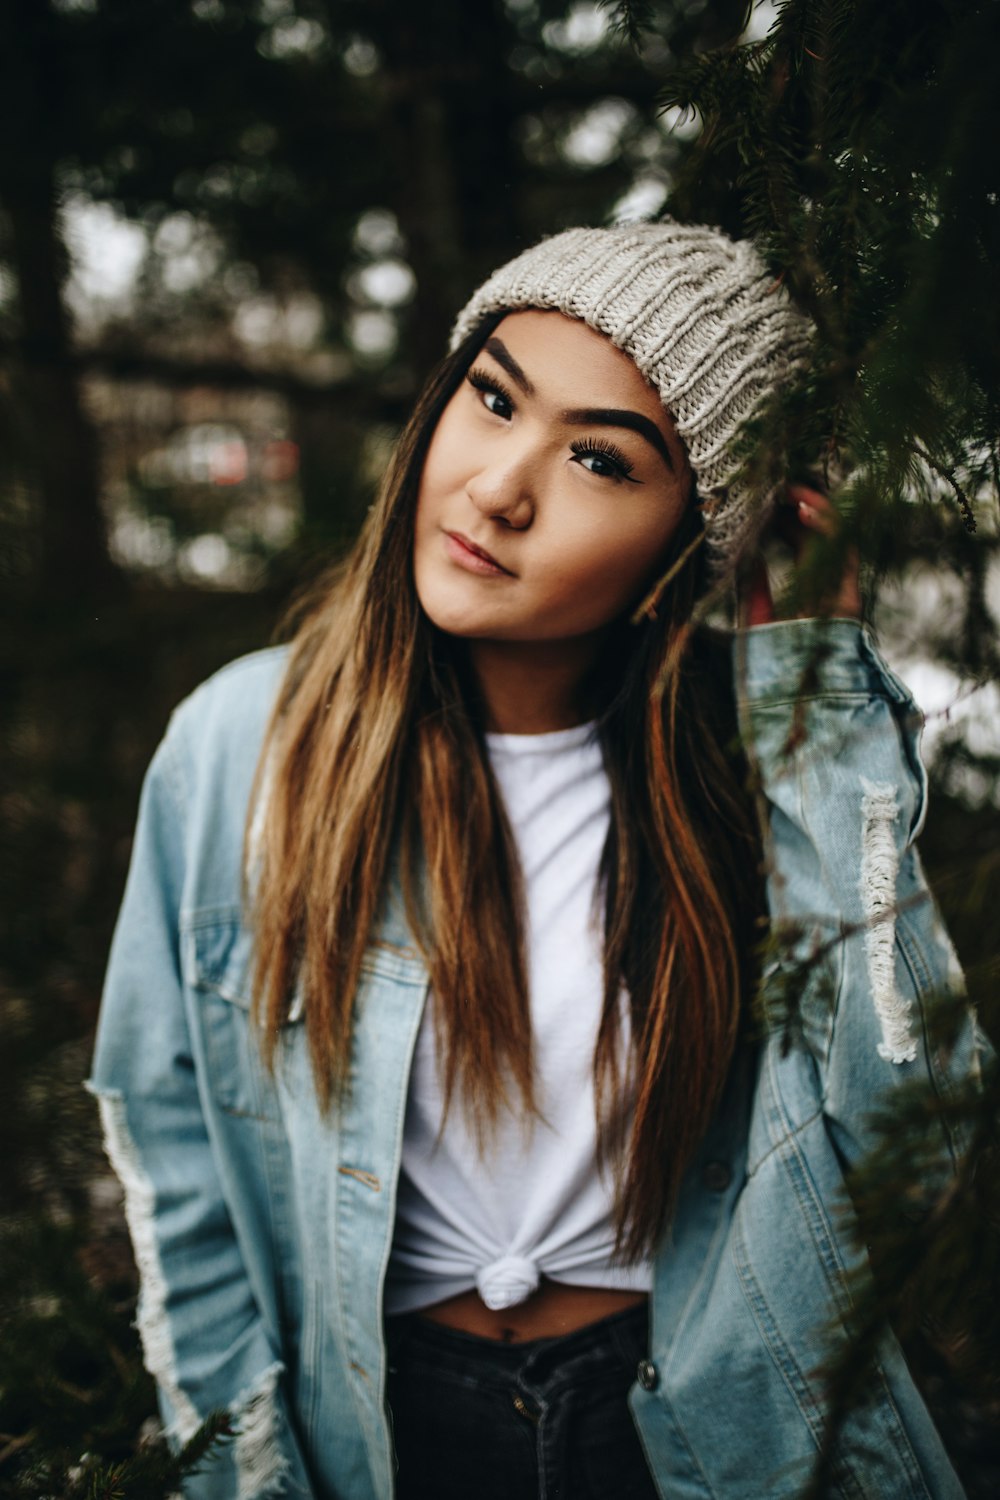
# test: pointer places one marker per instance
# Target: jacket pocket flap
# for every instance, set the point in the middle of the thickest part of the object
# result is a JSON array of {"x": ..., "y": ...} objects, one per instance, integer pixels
[{"x": 218, "y": 956}]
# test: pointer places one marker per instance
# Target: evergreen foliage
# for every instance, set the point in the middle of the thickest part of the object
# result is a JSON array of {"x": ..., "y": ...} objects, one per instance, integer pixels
[
  {"x": 856, "y": 143},
  {"x": 73, "y": 1392}
]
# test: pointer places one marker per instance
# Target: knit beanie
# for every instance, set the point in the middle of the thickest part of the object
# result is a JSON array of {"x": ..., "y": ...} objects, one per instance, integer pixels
[{"x": 702, "y": 318}]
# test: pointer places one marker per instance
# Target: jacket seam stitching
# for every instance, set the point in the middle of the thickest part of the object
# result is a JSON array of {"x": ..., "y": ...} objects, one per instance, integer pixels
[{"x": 786, "y": 1140}]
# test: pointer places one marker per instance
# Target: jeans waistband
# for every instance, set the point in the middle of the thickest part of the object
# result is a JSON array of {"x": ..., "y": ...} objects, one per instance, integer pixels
[
  {"x": 547, "y": 1418},
  {"x": 620, "y": 1338}
]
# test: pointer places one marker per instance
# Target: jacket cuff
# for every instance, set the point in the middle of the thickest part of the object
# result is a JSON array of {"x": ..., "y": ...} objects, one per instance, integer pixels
[{"x": 797, "y": 659}]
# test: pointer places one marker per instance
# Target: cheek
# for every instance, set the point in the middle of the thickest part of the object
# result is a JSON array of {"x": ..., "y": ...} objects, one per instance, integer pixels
[
  {"x": 425, "y": 497},
  {"x": 445, "y": 462},
  {"x": 607, "y": 570},
  {"x": 427, "y": 516},
  {"x": 433, "y": 578},
  {"x": 424, "y": 532}
]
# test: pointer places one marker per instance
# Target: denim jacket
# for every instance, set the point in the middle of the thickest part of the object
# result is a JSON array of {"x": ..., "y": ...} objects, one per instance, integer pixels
[{"x": 262, "y": 1227}]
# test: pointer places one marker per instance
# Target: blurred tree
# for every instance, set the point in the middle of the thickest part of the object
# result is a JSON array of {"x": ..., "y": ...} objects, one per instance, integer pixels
[
  {"x": 278, "y": 127},
  {"x": 58, "y": 439}
]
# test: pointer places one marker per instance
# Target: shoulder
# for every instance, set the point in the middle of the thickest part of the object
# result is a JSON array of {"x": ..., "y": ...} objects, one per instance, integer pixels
[
  {"x": 240, "y": 694},
  {"x": 227, "y": 714},
  {"x": 209, "y": 758}
]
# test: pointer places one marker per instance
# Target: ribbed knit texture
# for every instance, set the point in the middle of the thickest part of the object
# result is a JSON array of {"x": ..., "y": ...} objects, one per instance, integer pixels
[{"x": 702, "y": 318}]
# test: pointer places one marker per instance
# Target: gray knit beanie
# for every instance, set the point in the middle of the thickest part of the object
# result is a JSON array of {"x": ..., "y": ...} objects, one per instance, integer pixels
[{"x": 702, "y": 318}]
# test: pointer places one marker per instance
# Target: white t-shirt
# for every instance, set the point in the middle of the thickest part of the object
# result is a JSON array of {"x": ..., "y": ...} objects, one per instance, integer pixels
[{"x": 532, "y": 1203}]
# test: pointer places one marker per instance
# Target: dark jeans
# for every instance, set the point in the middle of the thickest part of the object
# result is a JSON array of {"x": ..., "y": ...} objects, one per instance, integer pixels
[{"x": 475, "y": 1419}]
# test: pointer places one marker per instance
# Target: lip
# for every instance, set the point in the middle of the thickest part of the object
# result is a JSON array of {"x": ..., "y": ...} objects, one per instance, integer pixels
[{"x": 467, "y": 554}]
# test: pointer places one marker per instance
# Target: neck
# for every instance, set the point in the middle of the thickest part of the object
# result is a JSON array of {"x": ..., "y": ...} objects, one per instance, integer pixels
[{"x": 535, "y": 687}]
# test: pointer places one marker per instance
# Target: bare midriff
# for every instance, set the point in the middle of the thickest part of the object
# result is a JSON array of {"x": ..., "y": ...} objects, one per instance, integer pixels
[{"x": 552, "y": 1310}]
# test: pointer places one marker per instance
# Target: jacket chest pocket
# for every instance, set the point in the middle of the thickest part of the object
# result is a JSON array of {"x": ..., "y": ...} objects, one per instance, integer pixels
[{"x": 218, "y": 961}]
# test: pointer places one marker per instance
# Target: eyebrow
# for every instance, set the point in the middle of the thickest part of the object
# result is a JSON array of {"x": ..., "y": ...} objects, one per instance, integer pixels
[
  {"x": 599, "y": 416},
  {"x": 585, "y": 416},
  {"x": 506, "y": 361}
]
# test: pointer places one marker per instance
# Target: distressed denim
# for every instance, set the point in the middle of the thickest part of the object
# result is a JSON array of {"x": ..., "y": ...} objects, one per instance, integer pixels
[{"x": 262, "y": 1227}]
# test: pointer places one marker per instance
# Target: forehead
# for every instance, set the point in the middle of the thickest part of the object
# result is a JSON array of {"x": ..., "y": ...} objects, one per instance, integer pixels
[{"x": 572, "y": 364}]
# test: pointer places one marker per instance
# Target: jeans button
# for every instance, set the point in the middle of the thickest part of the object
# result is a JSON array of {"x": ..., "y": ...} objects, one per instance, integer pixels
[
  {"x": 717, "y": 1176},
  {"x": 523, "y": 1409},
  {"x": 647, "y": 1375}
]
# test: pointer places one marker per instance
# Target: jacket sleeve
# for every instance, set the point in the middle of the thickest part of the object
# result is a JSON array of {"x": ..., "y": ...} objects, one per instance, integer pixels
[
  {"x": 834, "y": 738},
  {"x": 203, "y": 1339}
]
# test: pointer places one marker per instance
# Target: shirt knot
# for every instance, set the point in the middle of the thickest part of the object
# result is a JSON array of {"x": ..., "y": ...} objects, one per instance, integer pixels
[{"x": 507, "y": 1281}]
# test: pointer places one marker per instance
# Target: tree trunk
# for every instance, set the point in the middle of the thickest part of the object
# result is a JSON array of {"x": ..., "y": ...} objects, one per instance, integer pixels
[
  {"x": 448, "y": 84},
  {"x": 59, "y": 441}
]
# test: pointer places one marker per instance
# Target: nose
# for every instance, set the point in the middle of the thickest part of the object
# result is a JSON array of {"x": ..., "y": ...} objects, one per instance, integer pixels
[{"x": 502, "y": 489}]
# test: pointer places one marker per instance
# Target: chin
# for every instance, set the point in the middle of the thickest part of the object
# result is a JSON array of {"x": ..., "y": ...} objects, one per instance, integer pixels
[
  {"x": 446, "y": 609},
  {"x": 453, "y": 620},
  {"x": 468, "y": 626}
]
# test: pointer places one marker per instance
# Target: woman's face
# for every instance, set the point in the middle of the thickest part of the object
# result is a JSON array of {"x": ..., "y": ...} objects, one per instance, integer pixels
[{"x": 552, "y": 486}]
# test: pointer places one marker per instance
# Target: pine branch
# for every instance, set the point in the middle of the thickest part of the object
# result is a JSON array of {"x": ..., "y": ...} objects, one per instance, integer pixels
[
  {"x": 629, "y": 19},
  {"x": 853, "y": 141},
  {"x": 948, "y": 473}
]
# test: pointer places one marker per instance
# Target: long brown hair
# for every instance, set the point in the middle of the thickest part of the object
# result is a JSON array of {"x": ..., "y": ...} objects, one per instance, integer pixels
[{"x": 375, "y": 762}]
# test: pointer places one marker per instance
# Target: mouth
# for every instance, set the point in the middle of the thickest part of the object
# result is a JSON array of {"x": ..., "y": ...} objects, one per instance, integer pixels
[{"x": 473, "y": 557}]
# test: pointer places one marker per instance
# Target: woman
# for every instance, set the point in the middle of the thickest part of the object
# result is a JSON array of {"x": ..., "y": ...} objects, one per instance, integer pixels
[{"x": 447, "y": 1143}]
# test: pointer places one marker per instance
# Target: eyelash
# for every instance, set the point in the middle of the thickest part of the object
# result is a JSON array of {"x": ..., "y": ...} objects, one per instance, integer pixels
[
  {"x": 602, "y": 448},
  {"x": 583, "y": 448},
  {"x": 489, "y": 385}
]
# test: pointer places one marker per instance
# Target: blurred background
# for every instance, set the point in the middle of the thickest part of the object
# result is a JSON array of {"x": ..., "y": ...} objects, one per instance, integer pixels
[{"x": 233, "y": 234}]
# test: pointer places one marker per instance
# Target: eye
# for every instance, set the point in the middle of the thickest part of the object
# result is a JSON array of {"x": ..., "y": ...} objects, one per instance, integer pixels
[
  {"x": 604, "y": 459},
  {"x": 495, "y": 398}
]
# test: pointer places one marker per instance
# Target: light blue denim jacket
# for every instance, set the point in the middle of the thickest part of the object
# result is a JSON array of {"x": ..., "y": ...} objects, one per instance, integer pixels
[{"x": 262, "y": 1229}]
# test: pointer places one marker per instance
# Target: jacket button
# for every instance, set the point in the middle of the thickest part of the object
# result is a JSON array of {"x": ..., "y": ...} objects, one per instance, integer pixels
[
  {"x": 647, "y": 1375},
  {"x": 717, "y": 1176}
]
